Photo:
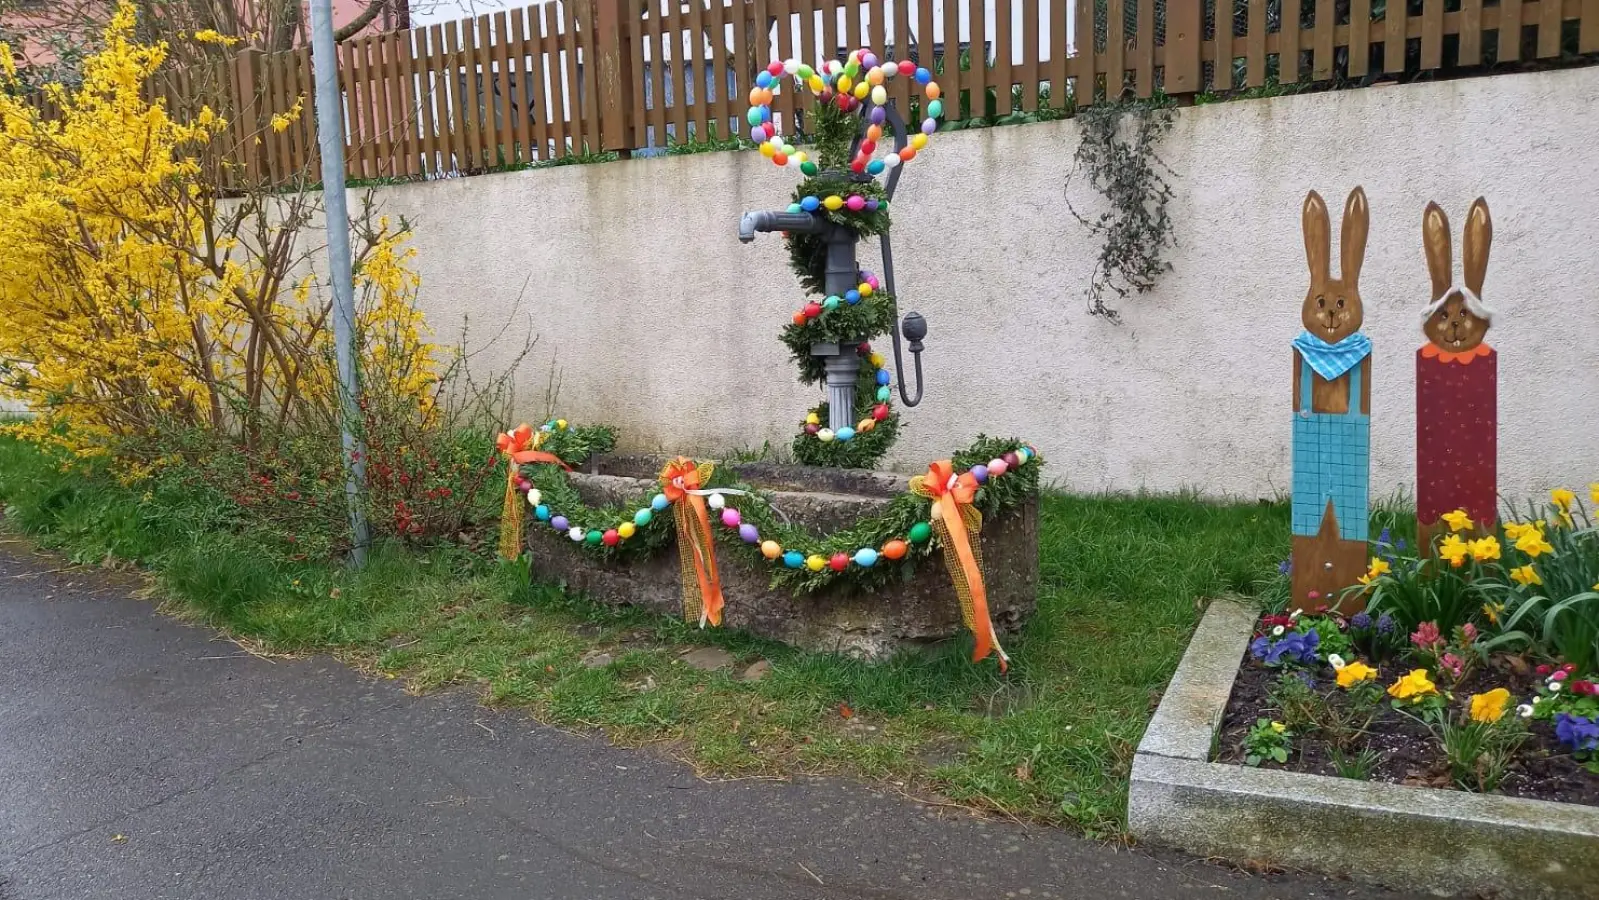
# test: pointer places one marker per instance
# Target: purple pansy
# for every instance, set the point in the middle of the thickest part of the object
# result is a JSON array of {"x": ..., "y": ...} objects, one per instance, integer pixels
[
  {"x": 1292, "y": 647},
  {"x": 1577, "y": 732}
]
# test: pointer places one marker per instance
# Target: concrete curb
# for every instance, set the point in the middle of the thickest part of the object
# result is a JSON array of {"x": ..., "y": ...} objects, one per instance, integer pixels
[{"x": 1405, "y": 837}]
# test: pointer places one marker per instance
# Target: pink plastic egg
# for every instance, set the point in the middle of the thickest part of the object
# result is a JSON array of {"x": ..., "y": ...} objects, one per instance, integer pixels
[
  {"x": 996, "y": 467},
  {"x": 856, "y": 202},
  {"x": 730, "y": 517}
]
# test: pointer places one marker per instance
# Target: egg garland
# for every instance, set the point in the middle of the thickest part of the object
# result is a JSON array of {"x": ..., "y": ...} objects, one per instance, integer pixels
[
  {"x": 859, "y": 83},
  {"x": 805, "y": 562}
]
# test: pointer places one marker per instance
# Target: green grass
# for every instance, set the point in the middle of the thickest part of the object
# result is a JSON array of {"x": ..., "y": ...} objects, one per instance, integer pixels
[{"x": 1122, "y": 583}]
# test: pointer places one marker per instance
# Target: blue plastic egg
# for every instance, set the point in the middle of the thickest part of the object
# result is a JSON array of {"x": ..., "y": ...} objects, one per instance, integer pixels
[
  {"x": 542, "y": 512},
  {"x": 874, "y": 167},
  {"x": 923, "y": 76},
  {"x": 660, "y": 502},
  {"x": 865, "y": 557},
  {"x": 852, "y": 296},
  {"x": 763, "y": 80},
  {"x": 793, "y": 559},
  {"x": 882, "y": 377},
  {"x": 809, "y": 204},
  {"x": 844, "y": 433}
]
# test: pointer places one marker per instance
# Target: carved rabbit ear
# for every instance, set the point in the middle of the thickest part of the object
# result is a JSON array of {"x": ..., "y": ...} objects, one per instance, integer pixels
[
  {"x": 1318, "y": 238},
  {"x": 1352, "y": 240},
  {"x": 1435, "y": 239},
  {"x": 1474, "y": 249}
]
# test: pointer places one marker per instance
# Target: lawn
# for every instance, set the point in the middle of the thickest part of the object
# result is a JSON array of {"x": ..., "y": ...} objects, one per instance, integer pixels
[{"x": 1123, "y": 582}]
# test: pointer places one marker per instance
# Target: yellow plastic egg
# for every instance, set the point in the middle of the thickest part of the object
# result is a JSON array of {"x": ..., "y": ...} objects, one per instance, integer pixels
[
  {"x": 833, "y": 202},
  {"x": 813, "y": 419},
  {"x": 560, "y": 424},
  {"x": 918, "y": 140},
  {"x": 816, "y": 83},
  {"x": 815, "y": 563},
  {"x": 876, "y": 359},
  {"x": 845, "y": 83},
  {"x": 861, "y": 90},
  {"x": 626, "y": 530},
  {"x": 866, "y": 289},
  {"x": 866, "y": 424},
  {"x": 768, "y": 149},
  {"x": 879, "y": 94}
]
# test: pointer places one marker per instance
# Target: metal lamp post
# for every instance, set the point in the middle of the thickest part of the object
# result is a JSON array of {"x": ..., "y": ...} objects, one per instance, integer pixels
[{"x": 840, "y": 360}]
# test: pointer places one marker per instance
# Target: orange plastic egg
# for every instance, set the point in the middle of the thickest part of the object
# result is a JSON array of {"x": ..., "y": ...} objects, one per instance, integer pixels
[{"x": 894, "y": 550}]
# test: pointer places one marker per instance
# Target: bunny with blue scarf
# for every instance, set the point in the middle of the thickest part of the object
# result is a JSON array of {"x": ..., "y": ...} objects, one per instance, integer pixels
[{"x": 1332, "y": 412}]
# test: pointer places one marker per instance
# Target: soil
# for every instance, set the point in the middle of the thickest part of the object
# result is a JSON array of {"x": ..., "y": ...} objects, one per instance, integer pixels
[{"x": 1407, "y": 752}]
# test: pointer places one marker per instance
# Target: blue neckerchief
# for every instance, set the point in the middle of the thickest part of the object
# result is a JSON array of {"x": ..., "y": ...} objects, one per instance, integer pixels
[{"x": 1332, "y": 360}]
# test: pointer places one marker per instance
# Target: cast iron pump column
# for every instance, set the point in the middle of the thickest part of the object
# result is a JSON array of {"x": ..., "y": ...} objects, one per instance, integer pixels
[{"x": 840, "y": 360}]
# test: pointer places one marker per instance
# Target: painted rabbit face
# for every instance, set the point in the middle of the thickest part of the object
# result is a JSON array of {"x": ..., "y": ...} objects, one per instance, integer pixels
[
  {"x": 1459, "y": 323},
  {"x": 1332, "y": 310}
]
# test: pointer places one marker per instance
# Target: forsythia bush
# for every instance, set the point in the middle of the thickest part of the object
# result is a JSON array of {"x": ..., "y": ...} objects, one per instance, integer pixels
[{"x": 136, "y": 303}]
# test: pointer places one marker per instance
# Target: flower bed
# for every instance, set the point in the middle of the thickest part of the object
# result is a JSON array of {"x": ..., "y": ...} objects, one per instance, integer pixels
[{"x": 1475, "y": 667}]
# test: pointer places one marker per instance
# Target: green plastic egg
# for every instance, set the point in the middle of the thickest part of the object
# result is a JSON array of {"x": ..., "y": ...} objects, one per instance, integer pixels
[{"x": 920, "y": 532}]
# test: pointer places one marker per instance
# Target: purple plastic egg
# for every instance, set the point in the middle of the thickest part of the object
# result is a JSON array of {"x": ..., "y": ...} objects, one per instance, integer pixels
[
  {"x": 869, "y": 61},
  {"x": 758, "y": 135},
  {"x": 980, "y": 472},
  {"x": 1011, "y": 459},
  {"x": 749, "y": 533},
  {"x": 559, "y": 523},
  {"x": 878, "y": 115},
  {"x": 871, "y": 206},
  {"x": 929, "y": 126}
]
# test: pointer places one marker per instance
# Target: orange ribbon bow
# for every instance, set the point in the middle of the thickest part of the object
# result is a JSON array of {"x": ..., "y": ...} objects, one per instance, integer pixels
[
  {"x": 957, "y": 523},
  {"x": 696, "y": 544},
  {"x": 520, "y": 447}
]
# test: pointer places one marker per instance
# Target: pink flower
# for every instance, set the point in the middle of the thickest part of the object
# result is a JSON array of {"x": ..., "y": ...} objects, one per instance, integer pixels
[
  {"x": 1426, "y": 635},
  {"x": 1584, "y": 687},
  {"x": 1568, "y": 668},
  {"x": 1453, "y": 664},
  {"x": 1559, "y": 676},
  {"x": 1468, "y": 633},
  {"x": 1544, "y": 669}
]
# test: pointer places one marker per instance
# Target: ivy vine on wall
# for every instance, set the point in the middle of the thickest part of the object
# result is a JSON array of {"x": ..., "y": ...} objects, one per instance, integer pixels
[{"x": 1117, "y": 154}]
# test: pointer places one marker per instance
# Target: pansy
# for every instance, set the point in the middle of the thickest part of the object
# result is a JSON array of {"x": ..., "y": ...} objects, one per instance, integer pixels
[
  {"x": 1279, "y": 727},
  {"x": 1489, "y": 706},
  {"x": 1525, "y": 576},
  {"x": 1458, "y": 520},
  {"x": 1414, "y": 686},
  {"x": 1577, "y": 732},
  {"x": 1355, "y": 672}
]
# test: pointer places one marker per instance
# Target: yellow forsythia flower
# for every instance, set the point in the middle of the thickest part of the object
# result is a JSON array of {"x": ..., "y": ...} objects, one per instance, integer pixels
[
  {"x": 1356, "y": 671},
  {"x": 212, "y": 36},
  {"x": 1533, "y": 544},
  {"x": 1489, "y": 707},
  {"x": 1458, "y": 520},
  {"x": 1561, "y": 498},
  {"x": 1525, "y": 575},
  {"x": 1485, "y": 549},
  {"x": 1414, "y": 686},
  {"x": 1455, "y": 550}
]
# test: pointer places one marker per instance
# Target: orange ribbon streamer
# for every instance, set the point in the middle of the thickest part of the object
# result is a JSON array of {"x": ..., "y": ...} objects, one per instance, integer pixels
[
  {"x": 520, "y": 447},
  {"x": 958, "y": 524},
  {"x": 696, "y": 544}
]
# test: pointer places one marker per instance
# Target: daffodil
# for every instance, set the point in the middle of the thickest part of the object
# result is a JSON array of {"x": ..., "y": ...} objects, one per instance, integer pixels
[
  {"x": 1379, "y": 567},
  {"x": 1533, "y": 544},
  {"x": 1561, "y": 498},
  {"x": 1455, "y": 550},
  {"x": 1414, "y": 686},
  {"x": 1490, "y": 706},
  {"x": 1515, "y": 530},
  {"x": 1485, "y": 549},
  {"x": 1526, "y": 576},
  {"x": 1492, "y": 610},
  {"x": 1355, "y": 672},
  {"x": 1593, "y": 493},
  {"x": 1458, "y": 520}
]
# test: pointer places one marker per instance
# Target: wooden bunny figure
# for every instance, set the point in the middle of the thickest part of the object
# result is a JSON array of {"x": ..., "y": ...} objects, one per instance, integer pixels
[
  {"x": 1332, "y": 413},
  {"x": 1457, "y": 382}
]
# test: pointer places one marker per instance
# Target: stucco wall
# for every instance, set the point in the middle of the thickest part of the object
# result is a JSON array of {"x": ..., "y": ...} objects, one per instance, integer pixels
[{"x": 665, "y": 325}]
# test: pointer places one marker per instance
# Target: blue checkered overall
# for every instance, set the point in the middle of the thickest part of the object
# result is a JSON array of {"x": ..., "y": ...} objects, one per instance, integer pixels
[{"x": 1332, "y": 458}]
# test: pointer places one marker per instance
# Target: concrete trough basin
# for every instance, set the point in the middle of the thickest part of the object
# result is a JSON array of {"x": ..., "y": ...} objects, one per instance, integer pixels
[
  {"x": 1416, "y": 838},
  {"x": 838, "y": 619}
]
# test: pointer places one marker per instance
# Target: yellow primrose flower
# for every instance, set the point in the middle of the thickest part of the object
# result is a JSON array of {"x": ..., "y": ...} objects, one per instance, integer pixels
[
  {"x": 1356, "y": 671},
  {"x": 1533, "y": 544},
  {"x": 1455, "y": 550},
  {"x": 1489, "y": 707},
  {"x": 1561, "y": 498},
  {"x": 1414, "y": 686},
  {"x": 1485, "y": 549},
  {"x": 1379, "y": 567},
  {"x": 1458, "y": 520},
  {"x": 1279, "y": 727},
  {"x": 1492, "y": 610}
]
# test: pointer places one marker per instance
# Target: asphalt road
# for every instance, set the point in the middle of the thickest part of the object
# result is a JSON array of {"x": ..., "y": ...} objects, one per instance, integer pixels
[{"x": 144, "y": 759}]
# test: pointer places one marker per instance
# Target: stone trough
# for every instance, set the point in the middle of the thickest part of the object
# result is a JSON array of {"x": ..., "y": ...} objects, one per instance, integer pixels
[{"x": 837, "y": 619}]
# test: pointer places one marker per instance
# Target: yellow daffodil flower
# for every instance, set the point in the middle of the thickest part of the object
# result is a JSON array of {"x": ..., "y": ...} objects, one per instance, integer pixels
[
  {"x": 1414, "y": 686},
  {"x": 1355, "y": 672},
  {"x": 1561, "y": 498},
  {"x": 1514, "y": 530},
  {"x": 1492, "y": 610},
  {"x": 1485, "y": 549},
  {"x": 1458, "y": 520},
  {"x": 1525, "y": 576},
  {"x": 1378, "y": 568},
  {"x": 1455, "y": 550},
  {"x": 1490, "y": 706},
  {"x": 1593, "y": 493},
  {"x": 1533, "y": 544}
]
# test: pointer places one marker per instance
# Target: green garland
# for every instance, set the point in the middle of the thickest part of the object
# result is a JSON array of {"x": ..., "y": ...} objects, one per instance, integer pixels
[{"x": 898, "y": 520}]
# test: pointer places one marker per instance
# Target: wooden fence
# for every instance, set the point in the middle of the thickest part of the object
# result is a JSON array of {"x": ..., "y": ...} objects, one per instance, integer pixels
[{"x": 534, "y": 84}]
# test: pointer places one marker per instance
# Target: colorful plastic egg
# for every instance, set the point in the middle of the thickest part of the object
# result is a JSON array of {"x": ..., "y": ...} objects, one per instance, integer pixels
[
  {"x": 908, "y": 154},
  {"x": 542, "y": 512},
  {"x": 879, "y": 94},
  {"x": 809, "y": 204},
  {"x": 894, "y": 549},
  {"x": 813, "y": 309},
  {"x": 920, "y": 532},
  {"x": 933, "y": 90},
  {"x": 815, "y": 563},
  {"x": 799, "y": 318},
  {"x": 923, "y": 76},
  {"x": 805, "y": 72},
  {"x": 575, "y": 533},
  {"x": 794, "y": 208},
  {"x": 882, "y": 377},
  {"x": 935, "y": 109},
  {"x": 775, "y": 68},
  {"x": 716, "y": 501},
  {"x": 929, "y": 126},
  {"x": 593, "y": 537},
  {"x": 659, "y": 502},
  {"x": 559, "y": 523},
  {"x": 865, "y": 289},
  {"x": 891, "y": 160},
  {"x": 852, "y": 296},
  {"x": 748, "y": 533},
  {"x": 877, "y": 116},
  {"x": 906, "y": 67},
  {"x": 865, "y": 557},
  {"x": 865, "y": 425},
  {"x": 809, "y": 168},
  {"x": 834, "y": 202},
  {"x": 880, "y": 411},
  {"x": 813, "y": 418},
  {"x": 1011, "y": 459},
  {"x": 996, "y": 467},
  {"x": 825, "y": 435},
  {"x": 731, "y": 517},
  {"x": 980, "y": 472},
  {"x": 856, "y": 203},
  {"x": 791, "y": 67},
  {"x": 875, "y": 167},
  {"x": 812, "y": 429},
  {"x": 771, "y": 550},
  {"x": 869, "y": 60},
  {"x": 830, "y": 303},
  {"x": 918, "y": 141},
  {"x": 642, "y": 517},
  {"x": 793, "y": 559},
  {"x": 884, "y": 393},
  {"x": 764, "y": 80},
  {"x": 838, "y": 563},
  {"x": 844, "y": 433},
  {"x": 873, "y": 204},
  {"x": 534, "y": 498},
  {"x": 626, "y": 530},
  {"x": 611, "y": 538}
]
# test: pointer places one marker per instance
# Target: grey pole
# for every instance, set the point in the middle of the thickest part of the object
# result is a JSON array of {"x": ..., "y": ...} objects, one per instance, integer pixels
[{"x": 330, "y": 139}]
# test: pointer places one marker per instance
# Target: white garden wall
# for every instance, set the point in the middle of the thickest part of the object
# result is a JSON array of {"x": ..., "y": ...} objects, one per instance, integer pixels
[{"x": 665, "y": 325}]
